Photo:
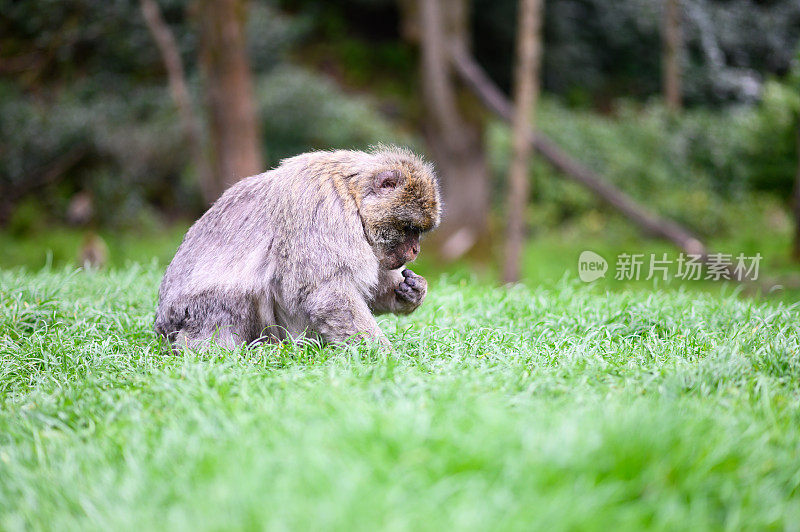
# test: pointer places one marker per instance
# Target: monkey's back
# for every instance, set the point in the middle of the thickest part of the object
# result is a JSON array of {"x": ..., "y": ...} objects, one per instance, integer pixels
[{"x": 268, "y": 241}]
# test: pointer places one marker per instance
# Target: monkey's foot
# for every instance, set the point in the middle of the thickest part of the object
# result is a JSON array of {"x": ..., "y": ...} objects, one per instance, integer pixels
[{"x": 412, "y": 290}]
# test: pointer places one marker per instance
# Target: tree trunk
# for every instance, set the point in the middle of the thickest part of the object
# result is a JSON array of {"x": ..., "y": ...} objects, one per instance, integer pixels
[
  {"x": 796, "y": 202},
  {"x": 179, "y": 91},
  {"x": 233, "y": 124},
  {"x": 671, "y": 42},
  {"x": 526, "y": 92},
  {"x": 455, "y": 144}
]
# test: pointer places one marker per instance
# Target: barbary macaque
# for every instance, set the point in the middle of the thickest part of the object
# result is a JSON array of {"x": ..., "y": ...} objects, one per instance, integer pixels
[{"x": 313, "y": 247}]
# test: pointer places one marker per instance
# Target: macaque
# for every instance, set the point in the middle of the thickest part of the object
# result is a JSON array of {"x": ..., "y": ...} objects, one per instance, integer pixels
[{"x": 314, "y": 247}]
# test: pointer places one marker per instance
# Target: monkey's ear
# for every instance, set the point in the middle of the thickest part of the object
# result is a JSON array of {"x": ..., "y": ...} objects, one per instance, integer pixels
[{"x": 387, "y": 179}]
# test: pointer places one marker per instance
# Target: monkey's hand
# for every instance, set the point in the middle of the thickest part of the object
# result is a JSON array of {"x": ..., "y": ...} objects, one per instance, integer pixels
[{"x": 411, "y": 291}]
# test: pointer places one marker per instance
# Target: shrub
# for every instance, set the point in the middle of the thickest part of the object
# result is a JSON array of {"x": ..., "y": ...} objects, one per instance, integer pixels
[
  {"x": 703, "y": 168},
  {"x": 303, "y": 111}
]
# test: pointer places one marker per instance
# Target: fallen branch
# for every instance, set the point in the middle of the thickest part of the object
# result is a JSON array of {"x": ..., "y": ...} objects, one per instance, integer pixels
[
  {"x": 477, "y": 80},
  {"x": 491, "y": 96}
]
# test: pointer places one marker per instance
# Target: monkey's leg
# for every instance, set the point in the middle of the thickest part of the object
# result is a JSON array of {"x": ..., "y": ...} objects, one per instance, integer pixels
[
  {"x": 211, "y": 318},
  {"x": 338, "y": 314},
  {"x": 400, "y": 291}
]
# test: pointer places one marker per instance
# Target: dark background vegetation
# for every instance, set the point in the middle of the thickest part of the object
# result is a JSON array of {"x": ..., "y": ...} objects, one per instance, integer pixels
[{"x": 86, "y": 118}]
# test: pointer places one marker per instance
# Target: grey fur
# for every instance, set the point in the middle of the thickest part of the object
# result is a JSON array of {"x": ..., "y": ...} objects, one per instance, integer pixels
[{"x": 288, "y": 252}]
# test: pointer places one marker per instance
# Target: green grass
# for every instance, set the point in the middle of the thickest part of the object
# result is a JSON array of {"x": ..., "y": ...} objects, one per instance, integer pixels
[{"x": 499, "y": 408}]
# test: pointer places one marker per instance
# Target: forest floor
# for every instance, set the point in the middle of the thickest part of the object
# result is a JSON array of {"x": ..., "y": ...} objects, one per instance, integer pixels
[{"x": 498, "y": 408}]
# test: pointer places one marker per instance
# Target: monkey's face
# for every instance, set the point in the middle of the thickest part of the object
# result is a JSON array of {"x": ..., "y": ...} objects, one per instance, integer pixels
[
  {"x": 406, "y": 250},
  {"x": 400, "y": 205}
]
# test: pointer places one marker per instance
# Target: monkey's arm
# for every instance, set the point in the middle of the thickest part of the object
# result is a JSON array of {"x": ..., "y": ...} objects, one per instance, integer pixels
[
  {"x": 338, "y": 314},
  {"x": 399, "y": 291}
]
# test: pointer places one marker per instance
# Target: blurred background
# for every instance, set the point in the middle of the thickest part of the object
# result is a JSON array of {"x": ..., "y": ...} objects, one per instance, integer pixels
[{"x": 661, "y": 126}]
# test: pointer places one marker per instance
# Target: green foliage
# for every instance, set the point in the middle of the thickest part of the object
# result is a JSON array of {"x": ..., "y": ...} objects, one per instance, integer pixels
[
  {"x": 271, "y": 35},
  {"x": 84, "y": 79},
  {"x": 33, "y": 135},
  {"x": 596, "y": 50},
  {"x": 302, "y": 111},
  {"x": 56, "y": 41},
  {"x": 93, "y": 93},
  {"x": 124, "y": 148},
  {"x": 498, "y": 408},
  {"x": 771, "y": 154},
  {"x": 707, "y": 169}
]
